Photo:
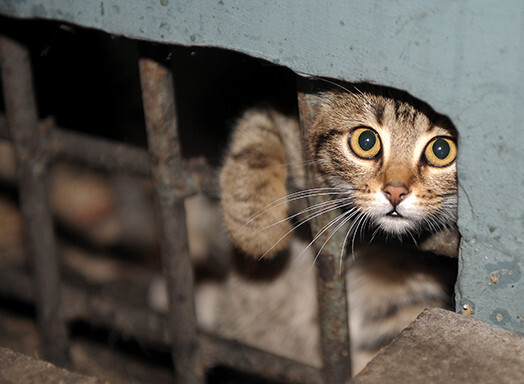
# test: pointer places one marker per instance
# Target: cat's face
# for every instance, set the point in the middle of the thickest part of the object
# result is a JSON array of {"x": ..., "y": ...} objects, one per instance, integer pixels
[{"x": 396, "y": 166}]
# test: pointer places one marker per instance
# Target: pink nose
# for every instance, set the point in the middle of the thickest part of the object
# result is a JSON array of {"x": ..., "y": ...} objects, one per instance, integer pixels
[{"x": 395, "y": 193}]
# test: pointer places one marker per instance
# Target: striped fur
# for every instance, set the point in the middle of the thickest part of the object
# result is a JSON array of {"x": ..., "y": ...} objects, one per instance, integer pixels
[{"x": 263, "y": 179}]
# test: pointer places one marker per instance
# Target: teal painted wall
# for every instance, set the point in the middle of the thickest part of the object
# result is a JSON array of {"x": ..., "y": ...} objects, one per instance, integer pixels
[{"x": 465, "y": 58}]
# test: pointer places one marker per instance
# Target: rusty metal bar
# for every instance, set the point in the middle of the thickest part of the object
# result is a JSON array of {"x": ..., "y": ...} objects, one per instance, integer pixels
[
  {"x": 97, "y": 152},
  {"x": 112, "y": 157},
  {"x": 166, "y": 162},
  {"x": 146, "y": 326},
  {"x": 21, "y": 113},
  {"x": 218, "y": 351},
  {"x": 331, "y": 282}
]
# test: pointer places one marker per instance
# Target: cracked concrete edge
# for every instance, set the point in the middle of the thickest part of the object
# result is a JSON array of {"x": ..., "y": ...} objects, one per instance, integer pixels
[
  {"x": 445, "y": 347},
  {"x": 17, "y": 368}
]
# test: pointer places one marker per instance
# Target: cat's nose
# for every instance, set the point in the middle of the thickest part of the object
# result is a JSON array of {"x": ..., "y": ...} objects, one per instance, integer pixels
[{"x": 395, "y": 193}]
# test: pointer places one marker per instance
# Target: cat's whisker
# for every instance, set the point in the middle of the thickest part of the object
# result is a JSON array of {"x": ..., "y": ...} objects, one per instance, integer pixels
[
  {"x": 472, "y": 208},
  {"x": 412, "y": 237},
  {"x": 433, "y": 224},
  {"x": 342, "y": 249},
  {"x": 340, "y": 225},
  {"x": 356, "y": 225},
  {"x": 361, "y": 93},
  {"x": 335, "y": 84},
  {"x": 327, "y": 210},
  {"x": 348, "y": 214},
  {"x": 292, "y": 197},
  {"x": 429, "y": 224},
  {"x": 289, "y": 165},
  {"x": 315, "y": 215},
  {"x": 363, "y": 226},
  {"x": 309, "y": 193},
  {"x": 346, "y": 238},
  {"x": 375, "y": 233},
  {"x": 440, "y": 219},
  {"x": 322, "y": 205},
  {"x": 313, "y": 193}
]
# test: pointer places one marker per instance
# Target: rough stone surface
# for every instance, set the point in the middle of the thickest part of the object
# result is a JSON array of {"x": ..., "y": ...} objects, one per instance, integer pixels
[
  {"x": 16, "y": 368},
  {"x": 446, "y": 347}
]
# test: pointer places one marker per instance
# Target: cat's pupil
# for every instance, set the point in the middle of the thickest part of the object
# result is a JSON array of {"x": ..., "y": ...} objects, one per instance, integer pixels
[
  {"x": 441, "y": 148},
  {"x": 367, "y": 140}
]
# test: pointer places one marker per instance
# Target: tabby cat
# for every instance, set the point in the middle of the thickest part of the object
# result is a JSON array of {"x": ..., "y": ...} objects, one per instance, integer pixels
[{"x": 388, "y": 163}]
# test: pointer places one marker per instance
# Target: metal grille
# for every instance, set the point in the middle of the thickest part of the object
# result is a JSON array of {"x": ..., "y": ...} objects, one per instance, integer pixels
[{"x": 57, "y": 303}]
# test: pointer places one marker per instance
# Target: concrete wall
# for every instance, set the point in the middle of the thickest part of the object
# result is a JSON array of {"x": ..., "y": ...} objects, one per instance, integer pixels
[{"x": 465, "y": 58}]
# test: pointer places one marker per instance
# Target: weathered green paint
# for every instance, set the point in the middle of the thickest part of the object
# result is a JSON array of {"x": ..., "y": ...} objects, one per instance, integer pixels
[{"x": 463, "y": 57}]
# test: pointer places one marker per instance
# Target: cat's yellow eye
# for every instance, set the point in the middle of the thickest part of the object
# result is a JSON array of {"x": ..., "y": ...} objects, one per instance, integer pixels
[
  {"x": 365, "y": 143},
  {"x": 440, "y": 152}
]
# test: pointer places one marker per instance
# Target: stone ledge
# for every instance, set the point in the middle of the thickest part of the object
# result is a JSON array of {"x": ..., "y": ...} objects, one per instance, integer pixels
[
  {"x": 445, "y": 347},
  {"x": 16, "y": 368}
]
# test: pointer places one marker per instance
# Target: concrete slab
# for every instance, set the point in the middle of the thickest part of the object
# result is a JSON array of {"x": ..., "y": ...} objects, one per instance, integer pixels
[
  {"x": 16, "y": 368},
  {"x": 446, "y": 347}
]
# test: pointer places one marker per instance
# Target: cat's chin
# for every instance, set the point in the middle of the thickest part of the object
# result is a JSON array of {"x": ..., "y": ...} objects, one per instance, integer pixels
[{"x": 396, "y": 225}]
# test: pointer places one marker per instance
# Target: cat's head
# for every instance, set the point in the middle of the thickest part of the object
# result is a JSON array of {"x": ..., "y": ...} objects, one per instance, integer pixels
[{"x": 395, "y": 161}]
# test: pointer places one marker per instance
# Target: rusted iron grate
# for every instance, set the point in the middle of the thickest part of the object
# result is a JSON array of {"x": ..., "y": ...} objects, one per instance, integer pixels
[{"x": 57, "y": 303}]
